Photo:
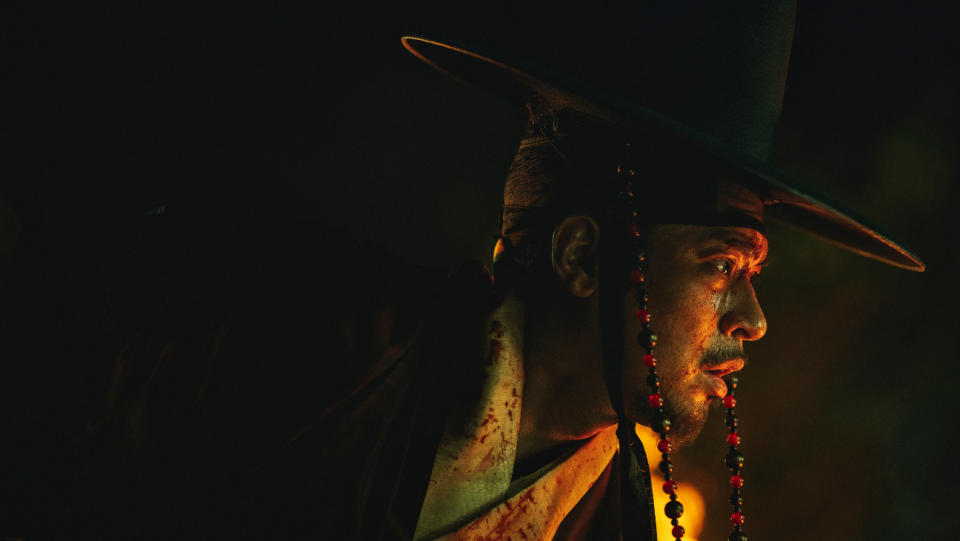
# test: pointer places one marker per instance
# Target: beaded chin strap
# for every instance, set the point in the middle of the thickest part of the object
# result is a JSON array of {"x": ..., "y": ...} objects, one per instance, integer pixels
[{"x": 661, "y": 422}]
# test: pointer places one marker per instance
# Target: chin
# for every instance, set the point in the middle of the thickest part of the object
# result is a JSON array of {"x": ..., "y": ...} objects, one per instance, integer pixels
[{"x": 687, "y": 420}]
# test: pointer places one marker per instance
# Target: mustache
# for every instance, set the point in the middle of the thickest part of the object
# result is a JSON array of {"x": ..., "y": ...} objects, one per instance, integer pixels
[{"x": 720, "y": 352}]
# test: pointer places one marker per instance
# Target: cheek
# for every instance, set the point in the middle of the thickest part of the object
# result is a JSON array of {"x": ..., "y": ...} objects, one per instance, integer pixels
[{"x": 688, "y": 322}]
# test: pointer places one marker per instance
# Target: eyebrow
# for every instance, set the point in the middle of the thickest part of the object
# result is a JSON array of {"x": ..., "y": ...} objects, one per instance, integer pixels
[{"x": 738, "y": 241}]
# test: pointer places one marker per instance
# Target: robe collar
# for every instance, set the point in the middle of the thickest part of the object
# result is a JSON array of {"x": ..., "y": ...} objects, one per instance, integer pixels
[{"x": 471, "y": 494}]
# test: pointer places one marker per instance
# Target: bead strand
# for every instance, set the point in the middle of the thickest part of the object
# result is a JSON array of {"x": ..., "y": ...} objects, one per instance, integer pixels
[
  {"x": 734, "y": 460},
  {"x": 647, "y": 339}
]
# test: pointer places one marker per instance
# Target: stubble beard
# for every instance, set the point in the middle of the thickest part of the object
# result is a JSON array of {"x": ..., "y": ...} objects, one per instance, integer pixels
[{"x": 687, "y": 417}]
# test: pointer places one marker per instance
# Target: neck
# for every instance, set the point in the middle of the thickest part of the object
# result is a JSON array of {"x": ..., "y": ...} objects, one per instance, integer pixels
[{"x": 564, "y": 393}]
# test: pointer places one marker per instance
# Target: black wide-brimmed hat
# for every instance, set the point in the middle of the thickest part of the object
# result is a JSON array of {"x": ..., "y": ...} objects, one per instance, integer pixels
[{"x": 742, "y": 73}]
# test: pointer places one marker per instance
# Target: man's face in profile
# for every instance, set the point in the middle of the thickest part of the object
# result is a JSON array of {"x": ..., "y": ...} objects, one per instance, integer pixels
[{"x": 703, "y": 307}]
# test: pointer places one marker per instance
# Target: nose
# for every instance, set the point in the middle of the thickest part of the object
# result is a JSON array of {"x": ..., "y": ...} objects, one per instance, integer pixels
[{"x": 742, "y": 317}]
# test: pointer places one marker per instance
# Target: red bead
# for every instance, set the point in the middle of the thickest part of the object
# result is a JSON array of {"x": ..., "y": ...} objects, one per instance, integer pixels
[
  {"x": 643, "y": 315},
  {"x": 670, "y": 487},
  {"x": 736, "y": 481},
  {"x": 637, "y": 276},
  {"x": 733, "y": 439},
  {"x": 664, "y": 446},
  {"x": 729, "y": 401},
  {"x": 649, "y": 360},
  {"x": 678, "y": 531},
  {"x": 737, "y": 518},
  {"x": 655, "y": 400}
]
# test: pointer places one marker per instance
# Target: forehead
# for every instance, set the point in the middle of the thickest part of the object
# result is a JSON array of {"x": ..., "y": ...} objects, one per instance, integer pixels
[{"x": 750, "y": 242}]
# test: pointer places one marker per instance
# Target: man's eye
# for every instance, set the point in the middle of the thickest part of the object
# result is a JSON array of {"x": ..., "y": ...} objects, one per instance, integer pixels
[{"x": 724, "y": 266}]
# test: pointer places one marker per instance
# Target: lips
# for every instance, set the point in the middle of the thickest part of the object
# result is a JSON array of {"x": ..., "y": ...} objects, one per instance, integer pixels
[
  {"x": 716, "y": 372},
  {"x": 724, "y": 368}
]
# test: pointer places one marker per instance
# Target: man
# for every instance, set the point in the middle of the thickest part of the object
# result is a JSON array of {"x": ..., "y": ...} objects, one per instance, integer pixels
[{"x": 533, "y": 455}]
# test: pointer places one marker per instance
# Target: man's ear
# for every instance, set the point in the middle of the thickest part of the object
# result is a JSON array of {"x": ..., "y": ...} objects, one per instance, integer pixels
[{"x": 575, "y": 257}]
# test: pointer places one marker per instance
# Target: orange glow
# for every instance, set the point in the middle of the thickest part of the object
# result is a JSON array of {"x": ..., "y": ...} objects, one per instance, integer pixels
[
  {"x": 694, "y": 506},
  {"x": 498, "y": 250}
]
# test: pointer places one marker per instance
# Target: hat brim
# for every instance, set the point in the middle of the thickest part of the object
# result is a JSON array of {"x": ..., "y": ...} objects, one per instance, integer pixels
[{"x": 784, "y": 199}]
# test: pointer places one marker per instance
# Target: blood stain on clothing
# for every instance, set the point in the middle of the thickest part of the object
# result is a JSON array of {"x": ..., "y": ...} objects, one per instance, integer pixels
[{"x": 495, "y": 349}]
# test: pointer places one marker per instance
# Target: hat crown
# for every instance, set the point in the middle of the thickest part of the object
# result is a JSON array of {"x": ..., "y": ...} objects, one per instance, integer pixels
[{"x": 721, "y": 69}]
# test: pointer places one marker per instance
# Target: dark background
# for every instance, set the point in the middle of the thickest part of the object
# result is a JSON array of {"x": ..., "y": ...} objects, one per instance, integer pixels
[{"x": 144, "y": 144}]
